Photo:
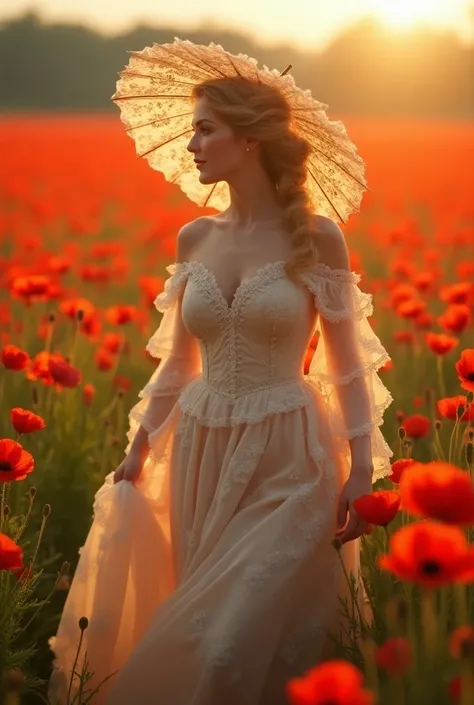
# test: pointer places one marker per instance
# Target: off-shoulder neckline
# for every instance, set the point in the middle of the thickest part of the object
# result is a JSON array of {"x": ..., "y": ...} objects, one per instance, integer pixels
[{"x": 319, "y": 269}]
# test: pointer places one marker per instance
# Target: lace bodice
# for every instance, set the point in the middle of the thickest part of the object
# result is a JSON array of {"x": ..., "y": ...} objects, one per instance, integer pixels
[{"x": 230, "y": 363}]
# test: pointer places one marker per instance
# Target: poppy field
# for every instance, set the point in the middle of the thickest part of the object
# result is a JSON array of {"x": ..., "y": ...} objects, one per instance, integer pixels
[{"x": 86, "y": 231}]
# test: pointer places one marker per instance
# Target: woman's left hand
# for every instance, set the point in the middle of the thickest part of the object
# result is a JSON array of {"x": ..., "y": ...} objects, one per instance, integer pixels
[{"x": 358, "y": 483}]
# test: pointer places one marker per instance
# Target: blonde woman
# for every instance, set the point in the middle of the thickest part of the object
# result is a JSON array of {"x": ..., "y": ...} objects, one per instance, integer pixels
[{"x": 209, "y": 576}]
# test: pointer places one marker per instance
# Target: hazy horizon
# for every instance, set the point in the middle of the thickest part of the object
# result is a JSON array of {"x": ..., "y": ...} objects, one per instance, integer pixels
[{"x": 306, "y": 24}]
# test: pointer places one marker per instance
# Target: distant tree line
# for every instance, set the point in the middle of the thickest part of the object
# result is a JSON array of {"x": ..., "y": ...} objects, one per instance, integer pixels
[{"x": 364, "y": 70}]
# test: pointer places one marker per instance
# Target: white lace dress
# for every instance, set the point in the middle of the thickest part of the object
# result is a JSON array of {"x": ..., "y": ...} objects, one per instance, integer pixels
[{"x": 213, "y": 580}]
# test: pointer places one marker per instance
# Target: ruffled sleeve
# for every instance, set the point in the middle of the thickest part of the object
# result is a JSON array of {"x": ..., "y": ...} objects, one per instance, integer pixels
[
  {"x": 345, "y": 364},
  {"x": 178, "y": 354}
]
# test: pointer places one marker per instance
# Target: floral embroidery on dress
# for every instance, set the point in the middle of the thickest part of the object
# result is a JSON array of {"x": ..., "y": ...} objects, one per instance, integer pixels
[{"x": 241, "y": 467}]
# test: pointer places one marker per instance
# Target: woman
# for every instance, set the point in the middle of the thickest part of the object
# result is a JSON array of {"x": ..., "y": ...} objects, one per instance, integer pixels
[{"x": 209, "y": 575}]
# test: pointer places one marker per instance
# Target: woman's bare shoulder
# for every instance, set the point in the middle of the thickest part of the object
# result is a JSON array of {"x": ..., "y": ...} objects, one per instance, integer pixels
[
  {"x": 190, "y": 235},
  {"x": 331, "y": 243}
]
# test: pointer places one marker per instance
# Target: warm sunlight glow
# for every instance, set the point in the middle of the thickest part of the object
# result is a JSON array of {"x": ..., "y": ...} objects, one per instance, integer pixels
[{"x": 405, "y": 13}]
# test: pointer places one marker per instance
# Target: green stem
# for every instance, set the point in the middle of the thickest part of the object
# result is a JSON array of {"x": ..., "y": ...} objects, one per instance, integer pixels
[
  {"x": 3, "y": 502},
  {"x": 429, "y": 637},
  {"x": 456, "y": 436},
  {"x": 439, "y": 366},
  {"x": 38, "y": 543},
  {"x": 25, "y": 521},
  {"x": 451, "y": 441},
  {"x": 354, "y": 600},
  {"x": 460, "y": 604},
  {"x": 73, "y": 671}
]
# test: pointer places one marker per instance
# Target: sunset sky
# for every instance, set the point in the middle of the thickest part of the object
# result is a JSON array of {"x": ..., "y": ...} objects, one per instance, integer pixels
[{"x": 305, "y": 22}]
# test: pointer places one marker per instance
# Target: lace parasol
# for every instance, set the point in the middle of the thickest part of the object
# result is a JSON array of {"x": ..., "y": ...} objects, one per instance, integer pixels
[{"x": 154, "y": 97}]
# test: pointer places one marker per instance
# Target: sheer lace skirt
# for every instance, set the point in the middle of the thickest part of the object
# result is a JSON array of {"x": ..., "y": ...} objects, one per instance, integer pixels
[{"x": 215, "y": 575}]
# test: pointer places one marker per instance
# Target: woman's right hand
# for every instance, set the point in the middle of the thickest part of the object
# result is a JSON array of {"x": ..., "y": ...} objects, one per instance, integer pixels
[{"x": 130, "y": 468}]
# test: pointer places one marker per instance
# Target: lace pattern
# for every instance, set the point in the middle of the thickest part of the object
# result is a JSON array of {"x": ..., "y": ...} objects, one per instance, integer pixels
[
  {"x": 214, "y": 409},
  {"x": 158, "y": 81},
  {"x": 346, "y": 361}
]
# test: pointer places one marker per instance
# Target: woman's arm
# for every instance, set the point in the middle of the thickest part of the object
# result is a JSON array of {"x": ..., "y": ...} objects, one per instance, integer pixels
[{"x": 344, "y": 361}]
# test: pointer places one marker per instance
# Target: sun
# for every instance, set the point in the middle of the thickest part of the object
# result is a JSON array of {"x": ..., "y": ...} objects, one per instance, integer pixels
[{"x": 405, "y": 13}]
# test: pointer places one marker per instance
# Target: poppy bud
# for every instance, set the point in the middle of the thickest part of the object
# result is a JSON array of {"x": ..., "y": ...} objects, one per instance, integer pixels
[
  {"x": 460, "y": 411},
  {"x": 80, "y": 315},
  {"x": 32, "y": 492},
  {"x": 83, "y": 623},
  {"x": 6, "y": 510},
  {"x": 51, "y": 317},
  {"x": 438, "y": 425},
  {"x": 337, "y": 543},
  {"x": 46, "y": 511},
  {"x": 470, "y": 397},
  {"x": 401, "y": 433}
]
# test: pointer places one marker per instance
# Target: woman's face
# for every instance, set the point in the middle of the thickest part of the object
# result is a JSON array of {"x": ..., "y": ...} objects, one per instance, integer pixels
[{"x": 216, "y": 144}]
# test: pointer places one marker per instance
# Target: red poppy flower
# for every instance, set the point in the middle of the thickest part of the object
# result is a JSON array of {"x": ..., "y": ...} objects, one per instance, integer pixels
[
  {"x": 25, "y": 421},
  {"x": 402, "y": 293},
  {"x": 119, "y": 315},
  {"x": 417, "y": 426},
  {"x": 440, "y": 343},
  {"x": 14, "y": 358},
  {"x": 423, "y": 280},
  {"x": 465, "y": 369},
  {"x": 399, "y": 467},
  {"x": 33, "y": 287},
  {"x": 88, "y": 394},
  {"x": 410, "y": 309},
  {"x": 15, "y": 462},
  {"x": 378, "y": 508},
  {"x": 63, "y": 373},
  {"x": 425, "y": 320},
  {"x": 430, "y": 555},
  {"x": 448, "y": 408},
  {"x": 91, "y": 326},
  {"x": 456, "y": 293},
  {"x": 39, "y": 368},
  {"x": 11, "y": 555},
  {"x": 58, "y": 265},
  {"x": 461, "y": 641},
  {"x": 104, "y": 359},
  {"x": 440, "y": 491},
  {"x": 456, "y": 318},
  {"x": 335, "y": 682},
  {"x": 95, "y": 273},
  {"x": 395, "y": 655},
  {"x": 113, "y": 342},
  {"x": 71, "y": 307}
]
